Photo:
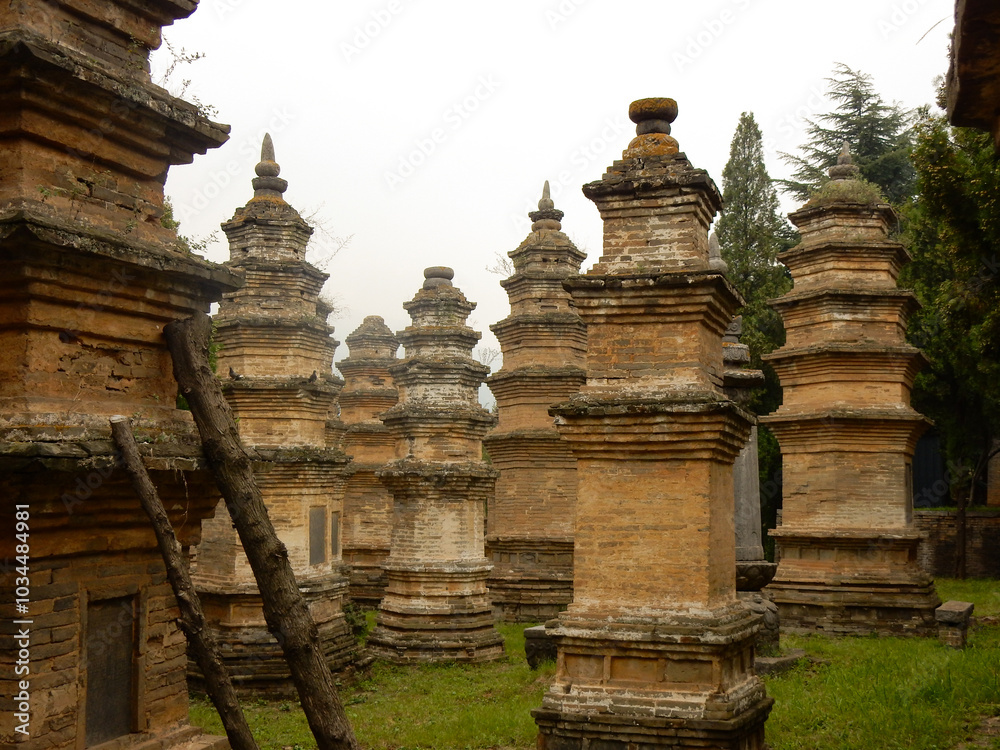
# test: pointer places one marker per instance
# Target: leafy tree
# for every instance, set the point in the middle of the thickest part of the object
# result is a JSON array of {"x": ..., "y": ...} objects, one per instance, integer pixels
[
  {"x": 953, "y": 233},
  {"x": 878, "y": 133},
  {"x": 751, "y": 233}
]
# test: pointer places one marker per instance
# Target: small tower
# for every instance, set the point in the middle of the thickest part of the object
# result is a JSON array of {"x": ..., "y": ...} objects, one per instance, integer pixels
[
  {"x": 368, "y": 391},
  {"x": 847, "y": 432},
  {"x": 655, "y": 649},
  {"x": 276, "y": 361},
  {"x": 529, "y": 532},
  {"x": 436, "y": 606}
]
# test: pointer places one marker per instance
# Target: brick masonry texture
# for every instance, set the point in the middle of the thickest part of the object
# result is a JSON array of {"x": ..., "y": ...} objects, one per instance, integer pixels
[
  {"x": 436, "y": 606},
  {"x": 847, "y": 544},
  {"x": 90, "y": 276},
  {"x": 368, "y": 391},
  {"x": 529, "y": 534},
  {"x": 662, "y": 660},
  {"x": 275, "y": 361}
]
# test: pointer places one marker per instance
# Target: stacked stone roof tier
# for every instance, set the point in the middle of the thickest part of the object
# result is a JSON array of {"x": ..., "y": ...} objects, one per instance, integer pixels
[
  {"x": 275, "y": 362},
  {"x": 846, "y": 427},
  {"x": 436, "y": 606},
  {"x": 369, "y": 390},
  {"x": 543, "y": 342}
]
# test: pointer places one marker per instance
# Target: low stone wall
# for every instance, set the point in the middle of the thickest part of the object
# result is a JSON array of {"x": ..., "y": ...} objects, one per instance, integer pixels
[{"x": 937, "y": 551}]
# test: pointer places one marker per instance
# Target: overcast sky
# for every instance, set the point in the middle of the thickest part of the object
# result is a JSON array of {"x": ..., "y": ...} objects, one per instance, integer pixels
[{"x": 424, "y": 129}]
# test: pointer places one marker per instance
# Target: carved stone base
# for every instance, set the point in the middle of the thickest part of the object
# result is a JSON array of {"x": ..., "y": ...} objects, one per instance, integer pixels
[
  {"x": 769, "y": 635},
  {"x": 436, "y": 612},
  {"x": 852, "y": 583},
  {"x": 532, "y": 579},
  {"x": 686, "y": 682},
  {"x": 253, "y": 657},
  {"x": 367, "y": 577}
]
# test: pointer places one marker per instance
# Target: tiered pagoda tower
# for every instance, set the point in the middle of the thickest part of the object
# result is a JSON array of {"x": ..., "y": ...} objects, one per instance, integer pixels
[
  {"x": 436, "y": 606},
  {"x": 368, "y": 391},
  {"x": 275, "y": 361},
  {"x": 847, "y": 543},
  {"x": 529, "y": 531},
  {"x": 90, "y": 275},
  {"x": 655, "y": 650}
]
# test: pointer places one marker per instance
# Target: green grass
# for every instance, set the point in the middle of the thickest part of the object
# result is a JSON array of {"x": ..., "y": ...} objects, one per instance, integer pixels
[
  {"x": 860, "y": 694},
  {"x": 446, "y": 706},
  {"x": 983, "y": 592}
]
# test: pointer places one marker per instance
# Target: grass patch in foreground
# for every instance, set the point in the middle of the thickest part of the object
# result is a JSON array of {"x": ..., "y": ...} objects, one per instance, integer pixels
[
  {"x": 885, "y": 693},
  {"x": 983, "y": 592},
  {"x": 447, "y": 706}
]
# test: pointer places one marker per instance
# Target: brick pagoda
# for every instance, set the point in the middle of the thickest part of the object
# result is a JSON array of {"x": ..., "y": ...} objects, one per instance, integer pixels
[
  {"x": 529, "y": 531},
  {"x": 655, "y": 650},
  {"x": 90, "y": 275},
  {"x": 368, "y": 391},
  {"x": 275, "y": 361},
  {"x": 436, "y": 606},
  {"x": 847, "y": 543}
]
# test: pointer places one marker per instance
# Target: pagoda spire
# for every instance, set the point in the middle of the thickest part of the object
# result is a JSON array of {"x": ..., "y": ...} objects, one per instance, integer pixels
[{"x": 267, "y": 184}]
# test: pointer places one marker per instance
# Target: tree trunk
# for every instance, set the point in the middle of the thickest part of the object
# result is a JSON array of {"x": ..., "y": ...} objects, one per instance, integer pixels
[
  {"x": 285, "y": 611},
  {"x": 199, "y": 635}
]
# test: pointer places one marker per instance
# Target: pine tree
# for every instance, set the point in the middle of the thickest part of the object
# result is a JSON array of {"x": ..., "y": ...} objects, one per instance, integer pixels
[
  {"x": 751, "y": 234},
  {"x": 878, "y": 133}
]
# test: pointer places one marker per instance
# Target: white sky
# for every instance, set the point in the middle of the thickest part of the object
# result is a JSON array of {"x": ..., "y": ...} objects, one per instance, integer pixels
[{"x": 501, "y": 96}]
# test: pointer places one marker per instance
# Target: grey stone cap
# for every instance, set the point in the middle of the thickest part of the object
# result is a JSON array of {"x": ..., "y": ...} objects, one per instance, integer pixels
[{"x": 954, "y": 613}]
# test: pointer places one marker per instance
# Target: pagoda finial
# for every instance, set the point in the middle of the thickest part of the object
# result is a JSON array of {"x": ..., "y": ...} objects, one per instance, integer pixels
[
  {"x": 547, "y": 216},
  {"x": 267, "y": 183},
  {"x": 715, "y": 259},
  {"x": 652, "y": 118},
  {"x": 845, "y": 168},
  {"x": 546, "y": 204}
]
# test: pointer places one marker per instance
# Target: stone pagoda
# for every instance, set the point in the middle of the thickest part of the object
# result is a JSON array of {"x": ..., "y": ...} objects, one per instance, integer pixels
[
  {"x": 847, "y": 544},
  {"x": 529, "y": 523},
  {"x": 655, "y": 650},
  {"x": 90, "y": 276},
  {"x": 753, "y": 571},
  {"x": 275, "y": 362},
  {"x": 436, "y": 606},
  {"x": 368, "y": 391}
]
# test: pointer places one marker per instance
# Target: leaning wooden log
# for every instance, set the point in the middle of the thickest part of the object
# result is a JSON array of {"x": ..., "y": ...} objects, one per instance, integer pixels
[
  {"x": 192, "y": 621},
  {"x": 285, "y": 611}
]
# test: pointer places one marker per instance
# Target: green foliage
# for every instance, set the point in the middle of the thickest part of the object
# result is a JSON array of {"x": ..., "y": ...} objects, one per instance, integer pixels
[
  {"x": 751, "y": 234},
  {"x": 953, "y": 233},
  {"x": 878, "y": 134},
  {"x": 185, "y": 243}
]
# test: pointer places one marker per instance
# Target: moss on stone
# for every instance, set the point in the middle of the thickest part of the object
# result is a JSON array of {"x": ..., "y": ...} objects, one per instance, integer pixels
[{"x": 847, "y": 191}]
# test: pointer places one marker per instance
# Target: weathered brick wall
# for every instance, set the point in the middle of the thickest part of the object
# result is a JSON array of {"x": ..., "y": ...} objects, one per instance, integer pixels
[{"x": 937, "y": 552}]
